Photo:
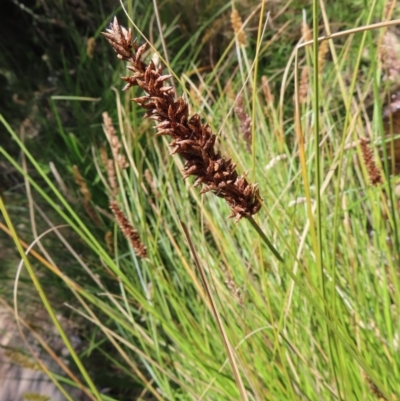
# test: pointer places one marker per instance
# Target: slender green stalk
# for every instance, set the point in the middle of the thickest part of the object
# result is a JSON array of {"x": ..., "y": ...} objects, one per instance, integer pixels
[{"x": 265, "y": 238}]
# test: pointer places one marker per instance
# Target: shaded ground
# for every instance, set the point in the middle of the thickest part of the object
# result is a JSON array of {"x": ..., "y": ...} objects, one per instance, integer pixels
[{"x": 20, "y": 376}]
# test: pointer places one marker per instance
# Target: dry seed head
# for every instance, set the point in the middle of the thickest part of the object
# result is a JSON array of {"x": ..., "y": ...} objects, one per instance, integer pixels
[
  {"x": 127, "y": 229},
  {"x": 234, "y": 289},
  {"x": 83, "y": 188},
  {"x": 215, "y": 28},
  {"x": 244, "y": 121},
  {"x": 390, "y": 56},
  {"x": 104, "y": 155},
  {"x": 322, "y": 52},
  {"x": 112, "y": 178},
  {"x": 306, "y": 32},
  {"x": 192, "y": 139},
  {"x": 269, "y": 97},
  {"x": 231, "y": 285},
  {"x": 374, "y": 173},
  {"x": 237, "y": 26},
  {"x": 303, "y": 86},
  {"x": 108, "y": 237},
  {"x": 90, "y": 47},
  {"x": 115, "y": 143},
  {"x": 387, "y": 15}
]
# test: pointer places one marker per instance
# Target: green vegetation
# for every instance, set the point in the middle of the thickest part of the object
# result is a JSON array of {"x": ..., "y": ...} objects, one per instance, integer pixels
[{"x": 210, "y": 313}]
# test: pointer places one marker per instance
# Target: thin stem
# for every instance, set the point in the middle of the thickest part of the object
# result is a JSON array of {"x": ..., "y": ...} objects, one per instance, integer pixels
[
  {"x": 264, "y": 238},
  {"x": 228, "y": 346}
]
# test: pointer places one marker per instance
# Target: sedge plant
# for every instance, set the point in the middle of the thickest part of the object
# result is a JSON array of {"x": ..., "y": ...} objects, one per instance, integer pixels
[{"x": 300, "y": 304}]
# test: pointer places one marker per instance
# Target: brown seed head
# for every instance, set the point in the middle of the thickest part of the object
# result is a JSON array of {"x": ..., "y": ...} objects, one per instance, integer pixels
[
  {"x": 389, "y": 55},
  {"x": 115, "y": 143},
  {"x": 127, "y": 229},
  {"x": 83, "y": 188},
  {"x": 108, "y": 237},
  {"x": 306, "y": 32},
  {"x": 269, "y": 97},
  {"x": 237, "y": 26},
  {"x": 303, "y": 87},
  {"x": 112, "y": 177},
  {"x": 373, "y": 172},
  {"x": 244, "y": 121},
  {"x": 192, "y": 139},
  {"x": 322, "y": 52},
  {"x": 90, "y": 47}
]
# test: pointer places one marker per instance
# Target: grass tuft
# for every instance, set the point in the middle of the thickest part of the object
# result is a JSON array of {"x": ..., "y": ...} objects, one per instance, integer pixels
[{"x": 193, "y": 306}]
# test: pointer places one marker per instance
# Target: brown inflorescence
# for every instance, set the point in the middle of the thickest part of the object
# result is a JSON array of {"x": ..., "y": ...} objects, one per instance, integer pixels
[
  {"x": 87, "y": 196},
  {"x": 90, "y": 47},
  {"x": 244, "y": 121},
  {"x": 374, "y": 174},
  {"x": 389, "y": 56},
  {"x": 237, "y": 26},
  {"x": 112, "y": 177},
  {"x": 306, "y": 32},
  {"x": 115, "y": 143},
  {"x": 83, "y": 188},
  {"x": 108, "y": 237},
  {"x": 127, "y": 229},
  {"x": 269, "y": 97},
  {"x": 303, "y": 87},
  {"x": 322, "y": 52},
  {"x": 192, "y": 139}
]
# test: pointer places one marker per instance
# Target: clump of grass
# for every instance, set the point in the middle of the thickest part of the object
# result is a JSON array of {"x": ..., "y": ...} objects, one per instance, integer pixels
[
  {"x": 192, "y": 139},
  {"x": 160, "y": 323}
]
